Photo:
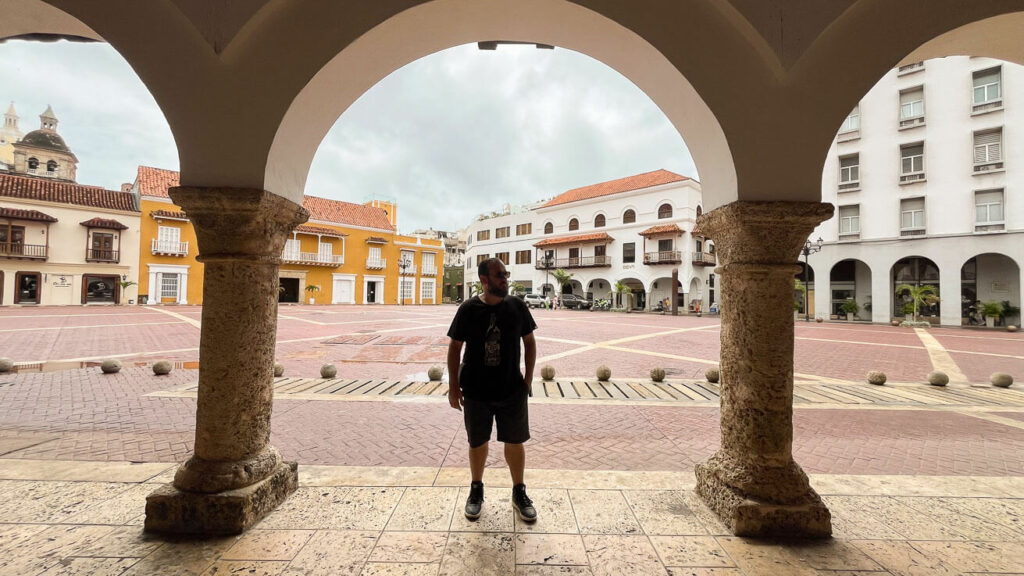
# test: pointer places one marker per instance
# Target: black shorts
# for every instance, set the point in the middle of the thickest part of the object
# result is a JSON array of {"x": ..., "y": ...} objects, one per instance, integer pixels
[{"x": 511, "y": 414}]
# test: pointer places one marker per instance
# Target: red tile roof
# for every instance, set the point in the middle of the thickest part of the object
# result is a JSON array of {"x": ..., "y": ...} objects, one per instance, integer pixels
[
  {"x": 663, "y": 229},
  {"x": 154, "y": 182},
  {"x": 645, "y": 180},
  {"x": 104, "y": 223},
  {"x": 593, "y": 238},
  {"x": 19, "y": 214},
  {"x": 46, "y": 190},
  {"x": 169, "y": 214},
  {"x": 320, "y": 230}
]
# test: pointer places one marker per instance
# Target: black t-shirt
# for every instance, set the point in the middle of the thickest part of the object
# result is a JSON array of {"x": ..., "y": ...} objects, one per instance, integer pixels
[{"x": 490, "y": 362}]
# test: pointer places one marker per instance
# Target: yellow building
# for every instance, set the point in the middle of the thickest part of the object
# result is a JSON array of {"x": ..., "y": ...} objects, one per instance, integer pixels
[{"x": 346, "y": 254}]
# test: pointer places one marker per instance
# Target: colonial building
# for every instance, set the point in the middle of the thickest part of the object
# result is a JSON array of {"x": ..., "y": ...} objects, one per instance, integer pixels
[
  {"x": 345, "y": 254},
  {"x": 9, "y": 134},
  {"x": 43, "y": 152},
  {"x": 634, "y": 231},
  {"x": 926, "y": 174}
]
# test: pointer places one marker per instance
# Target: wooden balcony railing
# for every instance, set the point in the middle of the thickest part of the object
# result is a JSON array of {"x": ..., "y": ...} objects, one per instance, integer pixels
[
  {"x": 376, "y": 263},
  {"x": 17, "y": 250},
  {"x": 170, "y": 248},
  {"x": 581, "y": 262},
  {"x": 703, "y": 259},
  {"x": 101, "y": 255},
  {"x": 663, "y": 257},
  {"x": 313, "y": 258}
]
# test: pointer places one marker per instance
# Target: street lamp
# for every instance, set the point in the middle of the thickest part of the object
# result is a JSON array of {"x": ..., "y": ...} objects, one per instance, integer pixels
[
  {"x": 403, "y": 265},
  {"x": 547, "y": 264},
  {"x": 808, "y": 249}
]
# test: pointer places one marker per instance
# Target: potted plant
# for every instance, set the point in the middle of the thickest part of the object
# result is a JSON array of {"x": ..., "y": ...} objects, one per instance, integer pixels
[
  {"x": 850, "y": 308},
  {"x": 799, "y": 293},
  {"x": 312, "y": 289},
  {"x": 919, "y": 295},
  {"x": 1010, "y": 312},
  {"x": 992, "y": 311},
  {"x": 908, "y": 311},
  {"x": 125, "y": 284}
]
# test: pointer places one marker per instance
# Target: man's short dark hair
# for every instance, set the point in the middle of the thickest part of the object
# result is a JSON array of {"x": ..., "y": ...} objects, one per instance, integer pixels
[{"x": 484, "y": 268}]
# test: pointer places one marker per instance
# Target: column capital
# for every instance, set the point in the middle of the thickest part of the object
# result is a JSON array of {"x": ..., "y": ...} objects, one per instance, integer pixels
[
  {"x": 239, "y": 223},
  {"x": 762, "y": 232}
]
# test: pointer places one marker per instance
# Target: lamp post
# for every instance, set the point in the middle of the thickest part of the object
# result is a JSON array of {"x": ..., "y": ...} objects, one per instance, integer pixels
[
  {"x": 547, "y": 264},
  {"x": 808, "y": 249},
  {"x": 403, "y": 265}
]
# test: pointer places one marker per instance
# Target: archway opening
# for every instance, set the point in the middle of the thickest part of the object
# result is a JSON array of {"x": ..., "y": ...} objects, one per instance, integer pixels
[
  {"x": 915, "y": 289},
  {"x": 990, "y": 290},
  {"x": 850, "y": 290}
]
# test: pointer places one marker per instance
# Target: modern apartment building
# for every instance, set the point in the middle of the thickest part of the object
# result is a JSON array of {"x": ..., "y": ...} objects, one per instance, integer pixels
[
  {"x": 926, "y": 174},
  {"x": 633, "y": 230}
]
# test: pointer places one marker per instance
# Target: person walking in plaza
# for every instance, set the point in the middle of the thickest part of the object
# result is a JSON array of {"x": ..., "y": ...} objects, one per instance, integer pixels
[{"x": 487, "y": 386}]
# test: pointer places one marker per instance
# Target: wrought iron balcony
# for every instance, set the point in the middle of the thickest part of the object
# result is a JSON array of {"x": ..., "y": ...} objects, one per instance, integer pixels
[
  {"x": 407, "y": 269},
  {"x": 313, "y": 258},
  {"x": 580, "y": 262},
  {"x": 18, "y": 250},
  {"x": 703, "y": 259},
  {"x": 663, "y": 257},
  {"x": 101, "y": 255},
  {"x": 376, "y": 263},
  {"x": 170, "y": 248}
]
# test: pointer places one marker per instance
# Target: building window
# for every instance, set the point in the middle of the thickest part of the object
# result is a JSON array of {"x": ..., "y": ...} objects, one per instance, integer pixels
[
  {"x": 51, "y": 167},
  {"x": 523, "y": 257},
  {"x": 168, "y": 286},
  {"x": 911, "y": 162},
  {"x": 629, "y": 252},
  {"x": 988, "y": 90},
  {"x": 912, "y": 107},
  {"x": 524, "y": 229},
  {"x": 699, "y": 211},
  {"x": 406, "y": 288},
  {"x": 599, "y": 221},
  {"x": 852, "y": 122},
  {"x": 574, "y": 224},
  {"x": 481, "y": 257},
  {"x": 549, "y": 228},
  {"x": 664, "y": 211},
  {"x": 849, "y": 220},
  {"x": 426, "y": 290},
  {"x": 503, "y": 256},
  {"x": 502, "y": 232},
  {"x": 33, "y": 164},
  {"x": 849, "y": 172},
  {"x": 988, "y": 211},
  {"x": 483, "y": 234},
  {"x": 912, "y": 217},
  {"x": 988, "y": 150},
  {"x": 628, "y": 217}
]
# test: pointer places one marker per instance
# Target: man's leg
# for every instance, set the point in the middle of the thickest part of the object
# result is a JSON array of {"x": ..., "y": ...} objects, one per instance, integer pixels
[
  {"x": 477, "y": 460},
  {"x": 515, "y": 457}
]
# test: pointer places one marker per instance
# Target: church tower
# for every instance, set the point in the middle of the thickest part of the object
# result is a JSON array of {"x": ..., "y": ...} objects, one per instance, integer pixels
[
  {"x": 9, "y": 134},
  {"x": 44, "y": 153}
]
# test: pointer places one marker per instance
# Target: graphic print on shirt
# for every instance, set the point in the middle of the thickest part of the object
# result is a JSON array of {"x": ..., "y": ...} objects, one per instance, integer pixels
[{"x": 492, "y": 343}]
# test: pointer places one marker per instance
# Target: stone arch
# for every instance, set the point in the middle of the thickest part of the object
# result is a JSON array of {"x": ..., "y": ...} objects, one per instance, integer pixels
[
  {"x": 915, "y": 271},
  {"x": 850, "y": 279},
  {"x": 573, "y": 224},
  {"x": 629, "y": 215},
  {"x": 660, "y": 289},
  {"x": 599, "y": 289},
  {"x": 989, "y": 277},
  {"x": 600, "y": 221},
  {"x": 638, "y": 290}
]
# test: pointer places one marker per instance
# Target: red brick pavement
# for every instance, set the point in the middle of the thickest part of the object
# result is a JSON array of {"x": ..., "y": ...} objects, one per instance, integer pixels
[
  {"x": 991, "y": 342},
  {"x": 979, "y": 368}
]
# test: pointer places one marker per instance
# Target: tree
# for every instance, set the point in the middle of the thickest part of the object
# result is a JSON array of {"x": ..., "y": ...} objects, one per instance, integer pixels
[
  {"x": 798, "y": 286},
  {"x": 516, "y": 288},
  {"x": 476, "y": 288},
  {"x": 919, "y": 295},
  {"x": 125, "y": 284},
  {"x": 563, "y": 278},
  {"x": 623, "y": 288}
]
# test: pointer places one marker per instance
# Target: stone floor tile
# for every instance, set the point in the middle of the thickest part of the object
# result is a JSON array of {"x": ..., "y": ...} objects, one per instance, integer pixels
[
  {"x": 397, "y": 569},
  {"x": 603, "y": 512},
  {"x": 831, "y": 554},
  {"x": 91, "y": 567},
  {"x": 911, "y": 524},
  {"x": 165, "y": 477},
  {"x": 409, "y": 547},
  {"x": 268, "y": 545},
  {"x": 424, "y": 508},
  {"x": 368, "y": 508},
  {"x": 315, "y": 475},
  {"x": 14, "y": 535},
  {"x": 79, "y": 471},
  {"x": 555, "y": 514},
  {"x": 341, "y": 552},
  {"x": 124, "y": 542},
  {"x": 47, "y": 547},
  {"x": 1002, "y": 557},
  {"x": 181, "y": 557},
  {"x": 119, "y": 510},
  {"x": 1003, "y": 511},
  {"x": 664, "y": 512},
  {"x": 496, "y": 514},
  {"x": 52, "y": 502},
  {"x": 615, "y": 555},
  {"x": 560, "y": 549},
  {"x": 854, "y": 573},
  {"x": 850, "y": 520},
  {"x": 538, "y": 570},
  {"x": 711, "y": 522},
  {"x": 246, "y": 567},
  {"x": 691, "y": 551},
  {"x": 330, "y": 508},
  {"x": 761, "y": 557},
  {"x": 690, "y": 571},
  {"x": 902, "y": 559},
  {"x": 973, "y": 525},
  {"x": 478, "y": 554}
]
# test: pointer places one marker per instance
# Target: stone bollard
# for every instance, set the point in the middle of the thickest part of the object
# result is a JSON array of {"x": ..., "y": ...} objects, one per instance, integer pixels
[
  {"x": 712, "y": 375},
  {"x": 938, "y": 378},
  {"x": 657, "y": 374},
  {"x": 111, "y": 366},
  {"x": 162, "y": 367},
  {"x": 328, "y": 371},
  {"x": 278, "y": 369},
  {"x": 1001, "y": 380},
  {"x": 876, "y": 377},
  {"x": 604, "y": 373},
  {"x": 6, "y": 365},
  {"x": 1011, "y": 328},
  {"x": 547, "y": 372},
  {"x": 435, "y": 373}
]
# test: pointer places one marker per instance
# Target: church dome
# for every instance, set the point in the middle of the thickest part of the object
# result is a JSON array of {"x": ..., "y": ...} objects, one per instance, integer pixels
[{"x": 47, "y": 139}]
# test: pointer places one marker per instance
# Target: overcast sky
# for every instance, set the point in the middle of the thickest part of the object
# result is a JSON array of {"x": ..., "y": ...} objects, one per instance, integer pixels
[{"x": 449, "y": 136}]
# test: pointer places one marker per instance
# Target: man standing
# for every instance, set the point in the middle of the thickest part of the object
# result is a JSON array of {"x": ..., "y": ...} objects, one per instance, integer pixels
[{"x": 489, "y": 385}]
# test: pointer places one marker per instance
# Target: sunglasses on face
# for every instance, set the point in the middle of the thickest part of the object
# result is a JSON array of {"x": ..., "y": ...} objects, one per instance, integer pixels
[{"x": 504, "y": 275}]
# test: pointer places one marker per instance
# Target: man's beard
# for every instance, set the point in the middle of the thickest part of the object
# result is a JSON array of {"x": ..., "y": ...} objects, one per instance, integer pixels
[{"x": 497, "y": 291}]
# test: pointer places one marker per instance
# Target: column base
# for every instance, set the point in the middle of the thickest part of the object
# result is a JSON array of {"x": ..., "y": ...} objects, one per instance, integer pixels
[
  {"x": 802, "y": 516},
  {"x": 173, "y": 511}
]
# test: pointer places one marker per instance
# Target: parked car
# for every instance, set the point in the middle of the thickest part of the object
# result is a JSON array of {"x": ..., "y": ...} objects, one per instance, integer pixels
[
  {"x": 535, "y": 301},
  {"x": 574, "y": 301}
]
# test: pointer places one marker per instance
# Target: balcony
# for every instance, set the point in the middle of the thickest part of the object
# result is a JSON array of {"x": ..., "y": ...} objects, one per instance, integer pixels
[
  {"x": 663, "y": 257},
  {"x": 407, "y": 270},
  {"x": 703, "y": 259},
  {"x": 170, "y": 248},
  {"x": 100, "y": 255},
  {"x": 376, "y": 263},
  {"x": 313, "y": 259},
  {"x": 581, "y": 262},
  {"x": 26, "y": 251},
  {"x": 988, "y": 167},
  {"x": 429, "y": 271}
]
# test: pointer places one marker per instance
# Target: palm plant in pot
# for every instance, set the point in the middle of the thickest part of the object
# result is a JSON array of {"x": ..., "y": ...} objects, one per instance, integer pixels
[
  {"x": 919, "y": 296},
  {"x": 312, "y": 289},
  {"x": 1010, "y": 312},
  {"x": 992, "y": 311},
  {"x": 850, "y": 308}
]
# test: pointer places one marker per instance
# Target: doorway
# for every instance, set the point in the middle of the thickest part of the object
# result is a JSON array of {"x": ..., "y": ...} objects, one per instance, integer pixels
[
  {"x": 371, "y": 293},
  {"x": 26, "y": 287},
  {"x": 99, "y": 289},
  {"x": 289, "y": 290}
]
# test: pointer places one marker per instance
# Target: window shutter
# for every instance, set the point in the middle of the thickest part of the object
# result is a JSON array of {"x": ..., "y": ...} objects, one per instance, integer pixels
[{"x": 988, "y": 147}]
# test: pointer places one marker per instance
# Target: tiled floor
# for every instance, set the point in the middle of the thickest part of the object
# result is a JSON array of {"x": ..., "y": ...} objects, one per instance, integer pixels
[{"x": 85, "y": 518}]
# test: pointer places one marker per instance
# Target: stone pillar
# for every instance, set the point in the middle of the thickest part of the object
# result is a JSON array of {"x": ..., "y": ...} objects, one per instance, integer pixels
[
  {"x": 235, "y": 476},
  {"x": 752, "y": 482}
]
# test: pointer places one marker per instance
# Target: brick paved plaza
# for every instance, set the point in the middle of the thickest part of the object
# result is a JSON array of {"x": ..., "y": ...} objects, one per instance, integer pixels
[{"x": 902, "y": 451}]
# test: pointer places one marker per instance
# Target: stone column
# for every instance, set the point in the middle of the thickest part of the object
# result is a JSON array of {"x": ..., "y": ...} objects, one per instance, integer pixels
[
  {"x": 752, "y": 482},
  {"x": 235, "y": 476}
]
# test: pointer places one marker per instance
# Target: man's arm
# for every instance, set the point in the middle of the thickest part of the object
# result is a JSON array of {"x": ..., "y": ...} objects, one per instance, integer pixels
[
  {"x": 530, "y": 350},
  {"x": 454, "y": 392}
]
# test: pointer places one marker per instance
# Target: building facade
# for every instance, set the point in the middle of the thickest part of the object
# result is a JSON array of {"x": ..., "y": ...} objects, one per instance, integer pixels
[
  {"x": 345, "y": 254},
  {"x": 926, "y": 175},
  {"x": 634, "y": 231}
]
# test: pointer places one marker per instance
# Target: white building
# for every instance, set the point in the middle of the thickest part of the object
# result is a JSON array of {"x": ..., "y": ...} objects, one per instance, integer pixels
[
  {"x": 633, "y": 230},
  {"x": 926, "y": 175}
]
